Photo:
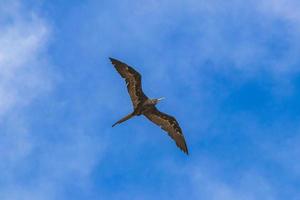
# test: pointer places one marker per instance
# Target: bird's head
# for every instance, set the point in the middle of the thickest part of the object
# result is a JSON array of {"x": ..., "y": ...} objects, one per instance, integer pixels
[{"x": 155, "y": 101}]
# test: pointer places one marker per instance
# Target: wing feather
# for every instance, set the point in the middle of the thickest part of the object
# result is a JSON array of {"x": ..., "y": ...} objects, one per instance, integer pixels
[
  {"x": 170, "y": 125},
  {"x": 133, "y": 82}
]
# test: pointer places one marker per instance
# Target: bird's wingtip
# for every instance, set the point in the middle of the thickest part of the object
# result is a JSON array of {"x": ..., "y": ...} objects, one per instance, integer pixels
[
  {"x": 186, "y": 151},
  {"x": 113, "y": 60}
]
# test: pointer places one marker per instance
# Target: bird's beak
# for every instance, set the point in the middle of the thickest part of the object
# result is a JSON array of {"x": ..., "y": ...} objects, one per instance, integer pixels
[{"x": 159, "y": 99}]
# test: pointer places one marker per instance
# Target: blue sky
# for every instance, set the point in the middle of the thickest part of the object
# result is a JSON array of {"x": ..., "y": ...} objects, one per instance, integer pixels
[{"x": 229, "y": 71}]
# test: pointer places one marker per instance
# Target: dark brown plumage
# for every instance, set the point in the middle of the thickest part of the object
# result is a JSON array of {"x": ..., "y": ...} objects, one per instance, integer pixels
[{"x": 142, "y": 105}]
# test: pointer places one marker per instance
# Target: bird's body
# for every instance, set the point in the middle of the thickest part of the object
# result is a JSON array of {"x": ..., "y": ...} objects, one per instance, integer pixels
[
  {"x": 142, "y": 105},
  {"x": 142, "y": 109},
  {"x": 146, "y": 106}
]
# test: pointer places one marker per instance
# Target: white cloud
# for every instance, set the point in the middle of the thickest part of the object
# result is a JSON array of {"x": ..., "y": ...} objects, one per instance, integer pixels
[
  {"x": 25, "y": 76},
  {"x": 22, "y": 74},
  {"x": 22, "y": 64}
]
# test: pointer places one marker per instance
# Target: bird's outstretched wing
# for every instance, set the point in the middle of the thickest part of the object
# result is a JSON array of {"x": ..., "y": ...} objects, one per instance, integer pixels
[
  {"x": 169, "y": 124},
  {"x": 133, "y": 81}
]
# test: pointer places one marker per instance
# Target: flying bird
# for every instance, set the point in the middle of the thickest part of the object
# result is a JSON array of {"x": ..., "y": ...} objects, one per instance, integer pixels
[{"x": 142, "y": 105}]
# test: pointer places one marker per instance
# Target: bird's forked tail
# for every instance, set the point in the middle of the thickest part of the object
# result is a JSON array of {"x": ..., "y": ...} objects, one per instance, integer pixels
[{"x": 123, "y": 119}]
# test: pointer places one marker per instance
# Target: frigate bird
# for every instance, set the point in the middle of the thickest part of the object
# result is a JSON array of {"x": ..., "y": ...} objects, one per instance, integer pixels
[{"x": 142, "y": 105}]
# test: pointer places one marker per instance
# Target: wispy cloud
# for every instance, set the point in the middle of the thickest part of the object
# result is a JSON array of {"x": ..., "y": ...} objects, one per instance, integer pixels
[
  {"x": 32, "y": 166},
  {"x": 22, "y": 65},
  {"x": 23, "y": 77}
]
